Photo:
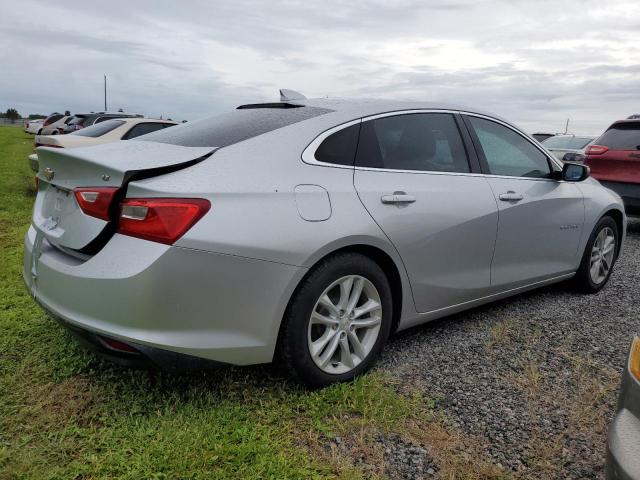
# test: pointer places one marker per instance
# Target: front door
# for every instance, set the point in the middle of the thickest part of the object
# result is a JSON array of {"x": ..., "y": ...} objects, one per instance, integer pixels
[
  {"x": 413, "y": 176},
  {"x": 540, "y": 219}
]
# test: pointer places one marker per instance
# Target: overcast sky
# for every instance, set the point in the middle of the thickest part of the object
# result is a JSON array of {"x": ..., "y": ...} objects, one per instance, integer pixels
[{"x": 536, "y": 63}]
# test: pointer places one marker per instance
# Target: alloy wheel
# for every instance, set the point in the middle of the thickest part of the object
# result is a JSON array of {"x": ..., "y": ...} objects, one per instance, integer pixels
[
  {"x": 344, "y": 324},
  {"x": 602, "y": 254}
]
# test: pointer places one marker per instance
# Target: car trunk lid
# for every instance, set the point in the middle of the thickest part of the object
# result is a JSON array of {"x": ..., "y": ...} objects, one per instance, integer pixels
[{"x": 57, "y": 214}]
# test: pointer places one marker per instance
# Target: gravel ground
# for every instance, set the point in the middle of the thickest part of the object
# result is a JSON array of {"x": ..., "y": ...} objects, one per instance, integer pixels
[{"x": 533, "y": 379}]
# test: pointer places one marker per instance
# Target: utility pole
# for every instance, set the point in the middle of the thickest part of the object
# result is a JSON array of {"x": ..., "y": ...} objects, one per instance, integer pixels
[
  {"x": 566, "y": 126},
  {"x": 105, "y": 93}
]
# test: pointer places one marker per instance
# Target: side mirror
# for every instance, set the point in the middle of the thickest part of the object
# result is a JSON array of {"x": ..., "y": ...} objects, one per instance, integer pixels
[
  {"x": 573, "y": 157},
  {"x": 575, "y": 172}
]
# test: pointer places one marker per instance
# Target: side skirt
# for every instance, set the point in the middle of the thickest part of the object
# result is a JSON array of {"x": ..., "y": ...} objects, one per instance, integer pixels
[{"x": 420, "y": 318}]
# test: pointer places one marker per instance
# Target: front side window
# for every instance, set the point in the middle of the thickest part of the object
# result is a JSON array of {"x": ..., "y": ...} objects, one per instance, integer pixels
[
  {"x": 509, "y": 153},
  {"x": 428, "y": 142}
]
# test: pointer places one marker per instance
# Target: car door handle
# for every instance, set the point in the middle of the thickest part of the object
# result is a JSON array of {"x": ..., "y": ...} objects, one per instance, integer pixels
[
  {"x": 397, "y": 198},
  {"x": 510, "y": 196}
]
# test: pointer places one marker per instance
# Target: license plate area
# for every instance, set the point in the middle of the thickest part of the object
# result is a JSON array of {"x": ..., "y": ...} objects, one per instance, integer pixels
[{"x": 58, "y": 203}]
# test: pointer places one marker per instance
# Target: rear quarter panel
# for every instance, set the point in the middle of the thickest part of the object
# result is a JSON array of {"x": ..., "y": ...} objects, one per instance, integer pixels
[{"x": 253, "y": 207}]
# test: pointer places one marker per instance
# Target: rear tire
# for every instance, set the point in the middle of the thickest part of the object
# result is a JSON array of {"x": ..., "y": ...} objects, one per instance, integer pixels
[
  {"x": 599, "y": 257},
  {"x": 337, "y": 321}
]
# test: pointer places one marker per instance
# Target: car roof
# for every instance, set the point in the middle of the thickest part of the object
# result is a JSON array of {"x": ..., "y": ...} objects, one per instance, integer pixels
[
  {"x": 373, "y": 106},
  {"x": 345, "y": 109},
  {"x": 626, "y": 121}
]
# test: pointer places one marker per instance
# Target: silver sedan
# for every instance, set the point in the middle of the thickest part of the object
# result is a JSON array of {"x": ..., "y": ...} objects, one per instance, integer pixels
[{"x": 306, "y": 231}]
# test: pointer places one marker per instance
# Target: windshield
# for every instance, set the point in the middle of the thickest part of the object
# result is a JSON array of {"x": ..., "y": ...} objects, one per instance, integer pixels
[
  {"x": 568, "y": 143},
  {"x": 99, "y": 129}
]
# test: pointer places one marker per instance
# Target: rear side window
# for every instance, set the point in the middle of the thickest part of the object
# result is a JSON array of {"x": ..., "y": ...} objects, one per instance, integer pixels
[
  {"x": 233, "y": 127},
  {"x": 509, "y": 153},
  {"x": 623, "y": 136},
  {"x": 143, "y": 129},
  {"x": 339, "y": 148},
  {"x": 99, "y": 129},
  {"x": 428, "y": 142}
]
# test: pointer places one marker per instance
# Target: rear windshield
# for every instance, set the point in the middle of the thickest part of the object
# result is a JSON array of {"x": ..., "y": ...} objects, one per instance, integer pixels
[
  {"x": 53, "y": 118},
  {"x": 623, "y": 136},
  {"x": 569, "y": 143},
  {"x": 98, "y": 129},
  {"x": 233, "y": 127}
]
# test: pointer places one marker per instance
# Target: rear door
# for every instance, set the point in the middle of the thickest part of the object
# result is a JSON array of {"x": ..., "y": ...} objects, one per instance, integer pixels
[
  {"x": 414, "y": 176},
  {"x": 540, "y": 219}
]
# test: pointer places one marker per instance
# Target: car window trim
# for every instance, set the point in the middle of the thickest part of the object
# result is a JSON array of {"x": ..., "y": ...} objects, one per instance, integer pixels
[{"x": 308, "y": 153}]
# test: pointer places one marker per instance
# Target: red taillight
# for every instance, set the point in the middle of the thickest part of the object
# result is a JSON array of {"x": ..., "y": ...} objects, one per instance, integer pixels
[
  {"x": 596, "y": 150},
  {"x": 162, "y": 220},
  {"x": 95, "y": 201},
  {"x": 116, "y": 345}
]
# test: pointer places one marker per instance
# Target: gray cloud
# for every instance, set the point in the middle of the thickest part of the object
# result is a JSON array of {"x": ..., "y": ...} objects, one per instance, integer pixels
[{"x": 537, "y": 63}]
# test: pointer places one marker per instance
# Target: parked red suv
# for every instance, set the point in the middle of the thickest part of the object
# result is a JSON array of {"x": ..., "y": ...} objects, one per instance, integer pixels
[{"x": 614, "y": 159}]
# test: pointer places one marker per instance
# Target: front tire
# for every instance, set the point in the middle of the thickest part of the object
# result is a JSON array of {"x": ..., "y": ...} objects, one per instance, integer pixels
[
  {"x": 337, "y": 321},
  {"x": 599, "y": 257}
]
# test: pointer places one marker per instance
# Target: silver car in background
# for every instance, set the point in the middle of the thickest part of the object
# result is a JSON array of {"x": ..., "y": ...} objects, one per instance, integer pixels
[
  {"x": 568, "y": 148},
  {"x": 623, "y": 446},
  {"x": 306, "y": 231}
]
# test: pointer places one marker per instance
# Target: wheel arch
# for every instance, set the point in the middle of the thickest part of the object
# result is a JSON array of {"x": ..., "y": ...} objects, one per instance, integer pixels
[
  {"x": 618, "y": 217},
  {"x": 377, "y": 254}
]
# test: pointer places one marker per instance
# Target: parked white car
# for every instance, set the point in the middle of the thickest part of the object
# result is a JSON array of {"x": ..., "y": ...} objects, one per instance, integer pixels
[
  {"x": 33, "y": 126},
  {"x": 104, "y": 132},
  {"x": 568, "y": 148},
  {"x": 52, "y": 122}
]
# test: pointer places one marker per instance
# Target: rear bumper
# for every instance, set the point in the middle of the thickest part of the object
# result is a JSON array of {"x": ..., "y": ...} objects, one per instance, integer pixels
[
  {"x": 144, "y": 356},
  {"x": 623, "y": 447},
  {"x": 201, "y": 304},
  {"x": 630, "y": 193}
]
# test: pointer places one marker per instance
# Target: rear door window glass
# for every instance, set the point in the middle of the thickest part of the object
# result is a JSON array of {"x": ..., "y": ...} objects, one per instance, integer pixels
[
  {"x": 429, "y": 142},
  {"x": 623, "y": 136}
]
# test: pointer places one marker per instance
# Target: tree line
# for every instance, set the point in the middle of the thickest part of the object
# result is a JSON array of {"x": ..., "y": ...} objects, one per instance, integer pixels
[{"x": 12, "y": 114}]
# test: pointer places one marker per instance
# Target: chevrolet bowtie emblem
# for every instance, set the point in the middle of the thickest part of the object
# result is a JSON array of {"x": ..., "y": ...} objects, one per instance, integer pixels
[{"x": 49, "y": 174}]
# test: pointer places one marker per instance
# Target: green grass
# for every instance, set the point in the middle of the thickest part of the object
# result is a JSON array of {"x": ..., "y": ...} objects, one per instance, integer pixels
[{"x": 65, "y": 414}]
